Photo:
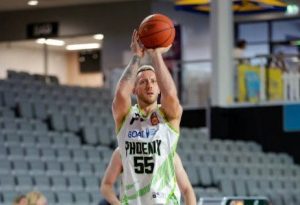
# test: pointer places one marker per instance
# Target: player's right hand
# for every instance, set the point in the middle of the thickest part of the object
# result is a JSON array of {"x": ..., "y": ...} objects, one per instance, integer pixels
[{"x": 136, "y": 47}]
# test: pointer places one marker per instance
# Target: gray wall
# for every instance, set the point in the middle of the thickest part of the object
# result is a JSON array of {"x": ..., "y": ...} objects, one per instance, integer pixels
[{"x": 115, "y": 20}]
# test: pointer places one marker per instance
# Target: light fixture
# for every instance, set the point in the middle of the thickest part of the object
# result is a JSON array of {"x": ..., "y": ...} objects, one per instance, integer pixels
[
  {"x": 98, "y": 36},
  {"x": 51, "y": 42},
  {"x": 33, "y": 2},
  {"x": 85, "y": 46},
  {"x": 292, "y": 9}
]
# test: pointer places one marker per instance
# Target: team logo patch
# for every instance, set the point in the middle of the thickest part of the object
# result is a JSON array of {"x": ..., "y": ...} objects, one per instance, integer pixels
[{"x": 154, "y": 119}]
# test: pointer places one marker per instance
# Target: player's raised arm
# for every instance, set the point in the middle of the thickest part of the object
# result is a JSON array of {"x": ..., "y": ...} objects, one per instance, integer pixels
[
  {"x": 122, "y": 100},
  {"x": 169, "y": 99}
]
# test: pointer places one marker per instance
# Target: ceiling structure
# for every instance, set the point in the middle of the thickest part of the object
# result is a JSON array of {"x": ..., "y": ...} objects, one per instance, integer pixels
[
  {"x": 12, "y": 5},
  {"x": 238, "y": 6}
]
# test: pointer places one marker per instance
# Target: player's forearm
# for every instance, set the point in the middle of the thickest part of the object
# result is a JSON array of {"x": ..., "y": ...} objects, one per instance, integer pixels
[
  {"x": 164, "y": 78},
  {"x": 127, "y": 80},
  {"x": 189, "y": 197},
  {"x": 109, "y": 194}
]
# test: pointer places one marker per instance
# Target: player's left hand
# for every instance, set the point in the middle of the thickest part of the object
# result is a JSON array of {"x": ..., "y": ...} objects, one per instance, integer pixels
[{"x": 160, "y": 50}]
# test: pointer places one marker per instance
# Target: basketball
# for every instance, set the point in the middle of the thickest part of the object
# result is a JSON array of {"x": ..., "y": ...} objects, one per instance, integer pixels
[{"x": 156, "y": 31}]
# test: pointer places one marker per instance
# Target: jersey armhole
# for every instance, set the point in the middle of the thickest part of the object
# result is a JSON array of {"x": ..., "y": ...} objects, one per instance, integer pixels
[
  {"x": 167, "y": 122},
  {"x": 123, "y": 122}
]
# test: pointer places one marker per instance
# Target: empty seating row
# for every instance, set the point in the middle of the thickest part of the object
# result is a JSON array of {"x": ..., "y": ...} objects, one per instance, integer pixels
[
  {"x": 38, "y": 138},
  {"x": 19, "y": 92},
  {"x": 7, "y": 123},
  {"x": 207, "y": 157},
  {"x": 59, "y": 197},
  {"x": 69, "y": 105},
  {"x": 27, "y": 77},
  {"x": 218, "y": 146},
  {"x": 54, "y": 153},
  {"x": 22, "y": 182},
  {"x": 52, "y": 167},
  {"x": 207, "y": 175}
]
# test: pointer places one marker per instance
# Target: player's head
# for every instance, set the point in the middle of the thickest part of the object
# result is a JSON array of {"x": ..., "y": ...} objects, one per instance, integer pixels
[
  {"x": 20, "y": 200},
  {"x": 146, "y": 88},
  {"x": 36, "y": 198}
]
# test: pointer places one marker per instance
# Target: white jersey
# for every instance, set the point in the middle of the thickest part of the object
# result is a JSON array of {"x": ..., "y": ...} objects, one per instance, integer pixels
[{"x": 147, "y": 146}]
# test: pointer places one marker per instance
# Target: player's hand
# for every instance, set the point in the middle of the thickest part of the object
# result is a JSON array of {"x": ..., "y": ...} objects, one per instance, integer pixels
[
  {"x": 160, "y": 50},
  {"x": 136, "y": 47}
]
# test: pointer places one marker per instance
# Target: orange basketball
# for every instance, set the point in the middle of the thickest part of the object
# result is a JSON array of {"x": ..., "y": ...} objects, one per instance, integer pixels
[{"x": 156, "y": 31}]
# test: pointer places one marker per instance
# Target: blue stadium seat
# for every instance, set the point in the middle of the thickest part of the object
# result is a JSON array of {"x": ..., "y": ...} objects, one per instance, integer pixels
[
  {"x": 70, "y": 168},
  {"x": 8, "y": 196},
  {"x": 42, "y": 183},
  {"x": 71, "y": 122},
  {"x": 82, "y": 198},
  {"x": 63, "y": 154},
  {"x": 48, "y": 153},
  {"x": 28, "y": 139},
  {"x": 16, "y": 152},
  {"x": 24, "y": 182},
  {"x": 37, "y": 167},
  {"x": 6, "y": 112},
  {"x": 91, "y": 183},
  {"x": 85, "y": 168},
  {"x": 20, "y": 166},
  {"x": 7, "y": 182},
  {"x": 64, "y": 197},
  {"x": 39, "y": 110},
  {"x": 32, "y": 153},
  {"x": 57, "y": 122},
  {"x": 25, "y": 109},
  {"x": 78, "y": 154},
  {"x": 75, "y": 183},
  {"x": 53, "y": 167},
  {"x": 239, "y": 185},
  {"x": 226, "y": 187},
  {"x": 59, "y": 183},
  {"x": 89, "y": 135},
  {"x": 59, "y": 141},
  {"x": 51, "y": 196}
]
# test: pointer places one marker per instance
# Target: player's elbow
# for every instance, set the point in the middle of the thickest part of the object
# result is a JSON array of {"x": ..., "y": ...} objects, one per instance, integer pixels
[{"x": 104, "y": 187}]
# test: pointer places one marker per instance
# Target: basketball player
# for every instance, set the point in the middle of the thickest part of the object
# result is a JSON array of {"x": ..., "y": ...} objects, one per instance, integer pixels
[
  {"x": 147, "y": 133},
  {"x": 114, "y": 169}
]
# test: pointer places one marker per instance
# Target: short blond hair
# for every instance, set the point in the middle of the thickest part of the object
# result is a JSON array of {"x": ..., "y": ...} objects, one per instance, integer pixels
[
  {"x": 33, "y": 197},
  {"x": 144, "y": 68}
]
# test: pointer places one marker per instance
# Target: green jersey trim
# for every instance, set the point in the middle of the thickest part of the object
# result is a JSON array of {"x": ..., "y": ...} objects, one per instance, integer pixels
[
  {"x": 168, "y": 123},
  {"x": 123, "y": 121}
]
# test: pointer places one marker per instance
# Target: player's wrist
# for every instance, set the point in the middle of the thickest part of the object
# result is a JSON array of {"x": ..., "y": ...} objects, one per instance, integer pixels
[
  {"x": 117, "y": 202},
  {"x": 136, "y": 59},
  {"x": 139, "y": 54}
]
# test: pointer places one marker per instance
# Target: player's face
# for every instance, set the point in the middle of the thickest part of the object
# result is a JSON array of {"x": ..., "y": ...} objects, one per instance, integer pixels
[
  {"x": 42, "y": 201},
  {"x": 146, "y": 87}
]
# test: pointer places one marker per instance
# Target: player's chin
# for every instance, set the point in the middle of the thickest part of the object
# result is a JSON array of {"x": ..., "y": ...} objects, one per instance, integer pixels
[{"x": 151, "y": 100}]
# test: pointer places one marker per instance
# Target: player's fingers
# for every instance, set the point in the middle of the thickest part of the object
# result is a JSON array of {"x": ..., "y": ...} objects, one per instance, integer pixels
[{"x": 133, "y": 35}]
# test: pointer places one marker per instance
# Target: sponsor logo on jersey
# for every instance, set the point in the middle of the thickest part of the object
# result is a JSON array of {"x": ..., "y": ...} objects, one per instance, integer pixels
[
  {"x": 147, "y": 133},
  {"x": 136, "y": 117},
  {"x": 158, "y": 195},
  {"x": 154, "y": 119}
]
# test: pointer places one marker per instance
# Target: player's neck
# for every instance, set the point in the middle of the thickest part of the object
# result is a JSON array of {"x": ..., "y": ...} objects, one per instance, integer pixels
[{"x": 146, "y": 109}]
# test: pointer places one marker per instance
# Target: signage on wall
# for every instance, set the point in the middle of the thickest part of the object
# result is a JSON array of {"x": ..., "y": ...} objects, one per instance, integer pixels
[
  {"x": 90, "y": 61},
  {"x": 42, "y": 30}
]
